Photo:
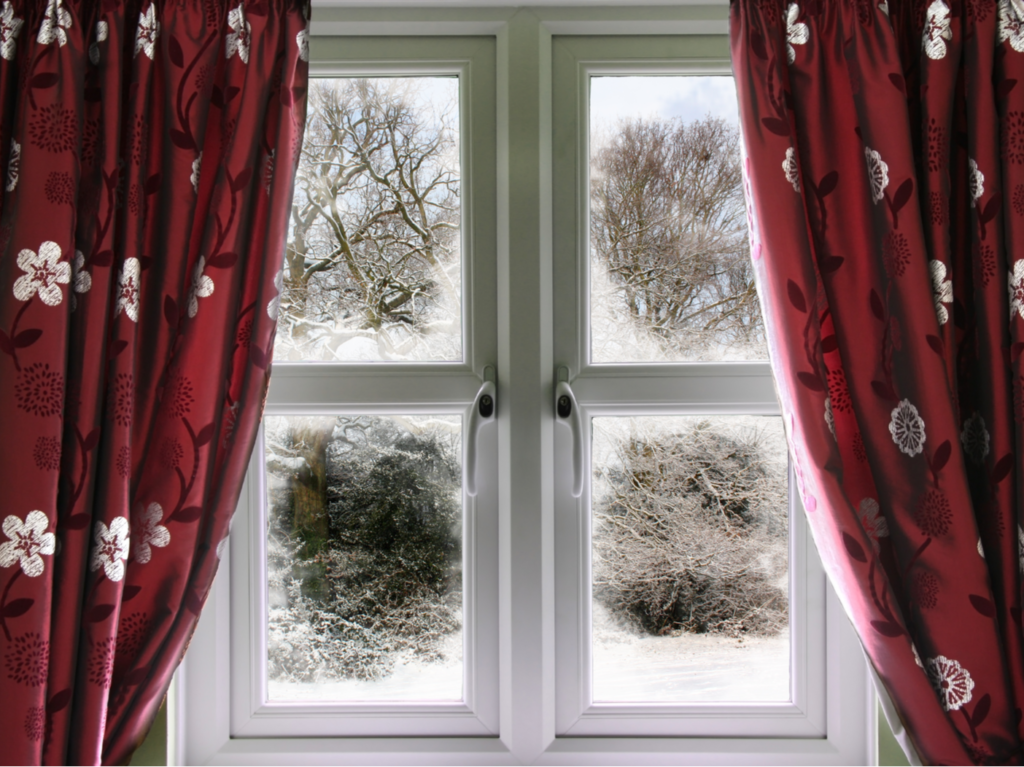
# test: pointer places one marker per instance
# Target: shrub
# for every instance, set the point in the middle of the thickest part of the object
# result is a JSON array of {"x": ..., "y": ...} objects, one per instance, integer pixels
[{"x": 693, "y": 535}]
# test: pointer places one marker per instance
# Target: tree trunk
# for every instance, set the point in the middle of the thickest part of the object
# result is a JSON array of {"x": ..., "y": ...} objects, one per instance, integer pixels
[{"x": 310, "y": 438}]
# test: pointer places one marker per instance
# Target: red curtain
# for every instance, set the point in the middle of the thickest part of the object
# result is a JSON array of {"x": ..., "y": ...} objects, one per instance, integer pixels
[
  {"x": 885, "y": 171},
  {"x": 149, "y": 150}
]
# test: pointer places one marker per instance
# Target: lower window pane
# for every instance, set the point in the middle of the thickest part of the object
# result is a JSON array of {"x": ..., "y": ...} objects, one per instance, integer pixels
[
  {"x": 364, "y": 558},
  {"x": 690, "y": 559}
]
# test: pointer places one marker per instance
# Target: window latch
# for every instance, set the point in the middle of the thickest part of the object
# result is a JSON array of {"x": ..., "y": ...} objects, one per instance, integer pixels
[
  {"x": 568, "y": 413},
  {"x": 484, "y": 410}
]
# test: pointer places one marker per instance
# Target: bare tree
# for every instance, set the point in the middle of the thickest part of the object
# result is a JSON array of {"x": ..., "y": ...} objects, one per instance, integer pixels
[
  {"x": 668, "y": 222},
  {"x": 373, "y": 249}
]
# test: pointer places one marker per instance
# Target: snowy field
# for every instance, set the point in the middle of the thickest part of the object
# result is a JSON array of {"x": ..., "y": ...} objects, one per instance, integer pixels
[
  {"x": 412, "y": 680},
  {"x": 688, "y": 668}
]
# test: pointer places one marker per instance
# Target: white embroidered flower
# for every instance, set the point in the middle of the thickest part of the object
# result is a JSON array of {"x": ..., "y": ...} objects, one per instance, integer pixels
[
  {"x": 981, "y": 549},
  {"x": 13, "y": 166},
  {"x": 102, "y": 30},
  {"x": 917, "y": 657},
  {"x": 302, "y": 39},
  {"x": 878, "y": 173},
  {"x": 148, "y": 532},
  {"x": 872, "y": 520},
  {"x": 789, "y": 167},
  {"x": 936, "y": 30},
  {"x": 951, "y": 681},
  {"x": 1011, "y": 23},
  {"x": 28, "y": 542},
  {"x": 147, "y": 33},
  {"x": 10, "y": 26},
  {"x": 796, "y": 31},
  {"x": 197, "y": 165},
  {"x": 239, "y": 37},
  {"x": 128, "y": 289},
  {"x": 829, "y": 417},
  {"x": 977, "y": 183},
  {"x": 275, "y": 303},
  {"x": 975, "y": 438},
  {"x": 55, "y": 24},
  {"x": 202, "y": 287},
  {"x": 111, "y": 548},
  {"x": 1016, "y": 286},
  {"x": 884, "y": 7},
  {"x": 942, "y": 290},
  {"x": 907, "y": 428},
  {"x": 81, "y": 280},
  {"x": 44, "y": 274}
]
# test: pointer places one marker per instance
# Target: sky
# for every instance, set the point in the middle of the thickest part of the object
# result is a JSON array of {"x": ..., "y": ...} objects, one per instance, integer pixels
[{"x": 689, "y": 98}]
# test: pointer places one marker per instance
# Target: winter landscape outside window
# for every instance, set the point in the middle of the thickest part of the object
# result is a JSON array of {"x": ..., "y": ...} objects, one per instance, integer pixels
[{"x": 381, "y": 614}]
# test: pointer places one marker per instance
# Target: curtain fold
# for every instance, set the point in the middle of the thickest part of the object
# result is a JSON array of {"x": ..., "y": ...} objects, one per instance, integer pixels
[
  {"x": 884, "y": 145},
  {"x": 150, "y": 149}
]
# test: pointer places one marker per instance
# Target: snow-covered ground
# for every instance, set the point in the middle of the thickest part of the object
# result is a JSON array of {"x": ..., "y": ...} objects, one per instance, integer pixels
[
  {"x": 688, "y": 668},
  {"x": 412, "y": 680}
]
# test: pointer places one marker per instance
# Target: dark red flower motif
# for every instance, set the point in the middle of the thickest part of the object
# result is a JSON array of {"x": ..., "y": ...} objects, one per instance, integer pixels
[
  {"x": 770, "y": 11},
  {"x": 124, "y": 461},
  {"x": 136, "y": 201},
  {"x": 90, "y": 142},
  {"x": 937, "y": 208},
  {"x": 121, "y": 402},
  {"x": 838, "y": 391},
  {"x": 858, "y": 448},
  {"x": 59, "y": 188},
  {"x": 978, "y": 10},
  {"x": 1013, "y": 137},
  {"x": 28, "y": 658},
  {"x": 47, "y": 453},
  {"x": 984, "y": 264},
  {"x": 925, "y": 589},
  {"x": 139, "y": 143},
  {"x": 132, "y": 632},
  {"x": 101, "y": 662},
  {"x": 895, "y": 254},
  {"x": 933, "y": 514},
  {"x": 39, "y": 390},
  {"x": 171, "y": 453},
  {"x": 244, "y": 334},
  {"x": 938, "y": 146},
  {"x": 54, "y": 129},
  {"x": 177, "y": 397},
  {"x": 35, "y": 723},
  {"x": 1018, "y": 199}
]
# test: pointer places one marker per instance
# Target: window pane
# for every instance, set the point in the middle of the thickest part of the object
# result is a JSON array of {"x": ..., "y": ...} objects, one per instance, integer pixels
[
  {"x": 690, "y": 559},
  {"x": 670, "y": 272},
  {"x": 373, "y": 265},
  {"x": 364, "y": 557}
]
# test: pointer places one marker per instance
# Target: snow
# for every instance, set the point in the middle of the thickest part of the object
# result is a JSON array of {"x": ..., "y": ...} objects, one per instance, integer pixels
[
  {"x": 631, "y": 668},
  {"x": 411, "y": 680}
]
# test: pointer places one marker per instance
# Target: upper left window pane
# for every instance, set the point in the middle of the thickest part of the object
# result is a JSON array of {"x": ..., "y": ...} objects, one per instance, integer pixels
[{"x": 373, "y": 263}]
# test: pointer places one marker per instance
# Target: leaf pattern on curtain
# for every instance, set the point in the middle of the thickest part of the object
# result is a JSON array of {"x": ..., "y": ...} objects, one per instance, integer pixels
[
  {"x": 127, "y": 264},
  {"x": 881, "y": 284}
]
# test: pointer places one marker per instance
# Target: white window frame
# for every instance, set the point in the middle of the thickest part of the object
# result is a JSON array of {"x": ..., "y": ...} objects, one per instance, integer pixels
[{"x": 539, "y": 710}]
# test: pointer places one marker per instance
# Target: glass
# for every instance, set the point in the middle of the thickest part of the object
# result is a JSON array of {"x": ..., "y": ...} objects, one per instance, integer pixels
[
  {"x": 364, "y": 558},
  {"x": 670, "y": 271},
  {"x": 373, "y": 262},
  {"x": 690, "y": 559}
]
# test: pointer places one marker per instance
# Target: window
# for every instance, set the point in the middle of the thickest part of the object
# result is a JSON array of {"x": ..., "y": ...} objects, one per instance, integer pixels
[{"x": 536, "y": 655}]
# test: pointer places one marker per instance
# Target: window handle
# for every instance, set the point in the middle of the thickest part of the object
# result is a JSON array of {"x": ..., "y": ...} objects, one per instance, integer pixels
[
  {"x": 568, "y": 412},
  {"x": 484, "y": 410}
]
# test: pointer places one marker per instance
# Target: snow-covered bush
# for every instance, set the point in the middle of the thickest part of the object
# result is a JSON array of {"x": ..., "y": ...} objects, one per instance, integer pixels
[{"x": 693, "y": 535}]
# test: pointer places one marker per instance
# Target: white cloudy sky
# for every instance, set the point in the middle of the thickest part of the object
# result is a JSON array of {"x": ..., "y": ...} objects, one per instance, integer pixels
[{"x": 689, "y": 98}]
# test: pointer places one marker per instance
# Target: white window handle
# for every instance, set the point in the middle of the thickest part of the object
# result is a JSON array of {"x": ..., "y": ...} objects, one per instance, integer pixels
[
  {"x": 484, "y": 410},
  {"x": 568, "y": 412}
]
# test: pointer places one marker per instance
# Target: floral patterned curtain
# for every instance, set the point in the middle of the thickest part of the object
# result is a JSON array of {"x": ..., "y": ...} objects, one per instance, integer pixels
[
  {"x": 149, "y": 148},
  {"x": 885, "y": 172}
]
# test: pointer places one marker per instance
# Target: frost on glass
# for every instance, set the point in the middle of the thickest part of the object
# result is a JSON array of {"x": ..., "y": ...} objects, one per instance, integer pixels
[
  {"x": 670, "y": 270},
  {"x": 364, "y": 558},
  {"x": 690, "y": 559},
  {"x": 372, "y": 267}
]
